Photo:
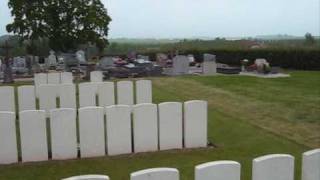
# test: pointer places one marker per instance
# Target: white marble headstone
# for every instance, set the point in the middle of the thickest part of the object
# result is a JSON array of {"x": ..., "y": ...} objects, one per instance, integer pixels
[
  {"x": 106, "y": 94},
  {"x": 195, "y": 124},
  {"x": 40, "y": 79},
  {"x": 66, "y": 78},
  {"x": 125, "y": 93},
  {"x": 118, "y": 129},
  {"x": 88, "y": 177},
  {"x": 96, "y": 76},
  {"x": 8, "y": 138},
  {"x": 156, "y": 174},
  {"x": 26, "y": 98},
  {"x": 33, "y": 136},
  {"x": 143, "y": 91},
  {"x": 87, "y": 94},
  {"x": 7, "y": 101},
  {"x": 218, "y": 170},
  {"x": 63, "y": 133},
  {"x": 145, "y": 127},
  {"x": 311, "y": 165},
  {"x": 274, "y": 166},
  {"x": 53, "y": 78},
  {"x": 48, "y": 97},
  {"x": 67, "y": 96},
  {"x": 91, "y": 130},
  {"x": 170, "y": 125}
]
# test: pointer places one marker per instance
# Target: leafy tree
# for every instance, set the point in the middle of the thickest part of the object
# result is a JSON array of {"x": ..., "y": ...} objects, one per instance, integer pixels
[
  {"x": 65, "y": 23},
  {"x": 309, "y": 39}
]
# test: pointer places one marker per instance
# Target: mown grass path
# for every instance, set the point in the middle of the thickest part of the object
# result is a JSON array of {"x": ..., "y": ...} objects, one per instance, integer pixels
[{"x": 248, "y": 117}]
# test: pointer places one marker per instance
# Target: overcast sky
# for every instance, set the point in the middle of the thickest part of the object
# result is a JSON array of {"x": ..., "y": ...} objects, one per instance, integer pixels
[{"x": 205, "y": 18}]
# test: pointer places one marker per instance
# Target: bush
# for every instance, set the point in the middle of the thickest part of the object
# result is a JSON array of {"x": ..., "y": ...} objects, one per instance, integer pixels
[{"x": 301, "y": 59}]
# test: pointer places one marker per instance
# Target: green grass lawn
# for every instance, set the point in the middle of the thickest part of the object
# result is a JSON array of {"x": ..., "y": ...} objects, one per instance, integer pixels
[{"x": 248, "y": 117}]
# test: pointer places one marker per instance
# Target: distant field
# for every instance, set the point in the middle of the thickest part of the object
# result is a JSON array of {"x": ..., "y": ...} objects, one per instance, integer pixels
[{"x": 248, "y": 117}]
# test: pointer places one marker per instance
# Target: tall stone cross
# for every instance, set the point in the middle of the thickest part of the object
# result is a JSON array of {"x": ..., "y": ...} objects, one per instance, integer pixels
[{"x": 7, "y": 78}]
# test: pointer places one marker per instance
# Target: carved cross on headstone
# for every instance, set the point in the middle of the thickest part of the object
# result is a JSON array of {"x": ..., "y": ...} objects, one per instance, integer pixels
[{"x": 8, "y": 78}]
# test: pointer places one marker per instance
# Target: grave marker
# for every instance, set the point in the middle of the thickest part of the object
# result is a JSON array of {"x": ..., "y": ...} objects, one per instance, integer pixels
[
  {"x": 8, "y": 139},
  {"x": 145, "y": 127},
  {"x": 170, "y": 125},
  {"x": 91, "y": 129},
  {"x": 33, "y": 136},
  {"x": 118, "y": 129}
]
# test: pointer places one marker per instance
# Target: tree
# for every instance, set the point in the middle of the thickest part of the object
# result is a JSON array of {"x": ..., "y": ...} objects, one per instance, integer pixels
[
  {"x": 309, "y": 39},
  {"x": 65, "y": 23}
]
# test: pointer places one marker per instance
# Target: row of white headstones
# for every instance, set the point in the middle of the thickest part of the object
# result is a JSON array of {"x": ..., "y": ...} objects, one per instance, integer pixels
[
  {"x": 269, "y": 167},
  {"x": 63, "y": 77},
  {"x": 112, "y": 130},
  {"x": 90, "y": 94}
]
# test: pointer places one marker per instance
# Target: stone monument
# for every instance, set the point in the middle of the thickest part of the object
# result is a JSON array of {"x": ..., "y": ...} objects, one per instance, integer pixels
[
  {"x": 52, "y": 59},
  {"x": 180, "y": 65},
  {"x": 209, "y": 64},
  {"x": 81, "y": 56}
]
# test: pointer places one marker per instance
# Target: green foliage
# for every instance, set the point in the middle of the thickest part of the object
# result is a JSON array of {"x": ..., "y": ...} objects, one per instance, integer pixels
[
  {"x": 309, "y": 39},
  {"x": 65, "y": 24}
]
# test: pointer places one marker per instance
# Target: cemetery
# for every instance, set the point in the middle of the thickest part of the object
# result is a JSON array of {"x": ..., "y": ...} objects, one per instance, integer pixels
[{"x": 162, "y": 90}]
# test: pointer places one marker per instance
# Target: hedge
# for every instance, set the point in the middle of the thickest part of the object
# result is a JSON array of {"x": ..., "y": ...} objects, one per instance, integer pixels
[{"x": 301, "y": 59}]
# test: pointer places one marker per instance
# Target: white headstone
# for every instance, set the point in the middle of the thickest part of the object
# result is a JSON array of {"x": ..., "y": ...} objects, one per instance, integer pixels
[
  {"x": 26, "y": 98},
  {"x": 87, "y": 94},
  {"x": 180, "y": 65},
  {"x": 67, "y": 96},
  {"x": 218, "y": 170},
  {"x": 195, "y": 124},
  {"x": 119, "y": 129},
  {"x": 209, "y": 64},
  {"x": 53, "y": 78},
  {"x": 81, "y": 56},
  {"x": 125, "y": 93},
  {"x": 311, "y": 165},
  {"x": 63, "y": 133},
  {"x": 144, "y": 91},
  {"x": 145, "y": 127},
  {"x": 33, "y": 136},
  {"x": 275, "y": 167},
  {"x": 156, "y": 174},
  {"x": 8, "y": 139},
  {"x": 88, "y": 177},
  {"x": 91, "y": 130},
  {"x": 170, "y": 125},
  {"x": 40, "y": 79},
  {"x": 96, "y": 76},
  {"x": 66, "y": 78},
  {"x": 7, "y": 101},
  {"x": 52, "y": 59},
  {"x": 48, "y": 97},
  {"x": 106, "y": 94}
]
